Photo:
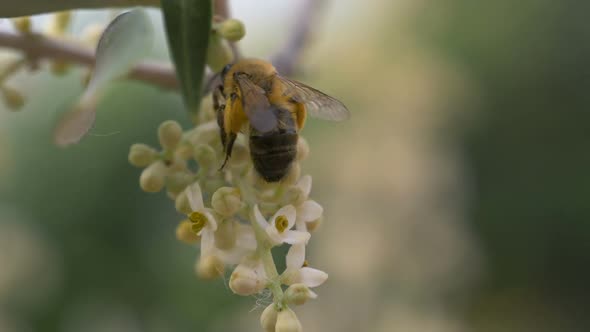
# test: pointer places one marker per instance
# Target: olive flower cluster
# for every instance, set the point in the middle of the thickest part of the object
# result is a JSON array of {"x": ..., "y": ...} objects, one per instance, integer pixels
[{"x": 234, "y": 216}]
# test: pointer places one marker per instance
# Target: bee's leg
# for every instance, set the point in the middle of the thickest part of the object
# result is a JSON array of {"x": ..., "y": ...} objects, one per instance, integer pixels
[
  {"x": 218, "y": 99},
  {"x": 220, "y": 122},
  {"x": 219, "y": 107},
  {"x": 231, "y": 138},
  {"x": 300, "y": 114}
]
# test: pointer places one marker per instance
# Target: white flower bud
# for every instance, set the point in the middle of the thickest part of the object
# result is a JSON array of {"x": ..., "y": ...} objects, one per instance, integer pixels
[
  {"x": 205, "y": 156},
  {"x": 268, "y": 319},
  {"x": 299, "y": 294},
  {"x": 226, "y": 201},
  {"x": 184, "y": 233},
  {"x": 232, "y": 30},
  {"x": 302, "y": 149},
  {"x": 182, "y": 204},
  {"x": 152, "y": 178},
  {"x": 185, "y": 151},
  {"x": 141, "y": 155},
  {"x": 177, "y": 182},
  {"x": 205, "y": 133},
  {"x": 209, "y": 267},
  {"x": 226, "y": 235},
  {"x": 22, "y": 24},
  {"x": 246, "y": 280},
  {"x": 177, "y": 164},
  {"x": 218, "y": 54},
  {"x": 169, "y": 134},
  {"x": 287, "y": 322}
]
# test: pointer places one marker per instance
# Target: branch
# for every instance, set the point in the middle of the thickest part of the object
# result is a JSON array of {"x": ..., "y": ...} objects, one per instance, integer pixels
[
  {"x": 37, "y": 46},
  {"x": 287, "y": 58},
  {"x": 32, "y": 7}
]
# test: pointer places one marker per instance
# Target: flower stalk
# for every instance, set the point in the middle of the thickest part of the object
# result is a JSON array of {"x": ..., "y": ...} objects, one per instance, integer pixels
[{"x": 264, "y": 252}]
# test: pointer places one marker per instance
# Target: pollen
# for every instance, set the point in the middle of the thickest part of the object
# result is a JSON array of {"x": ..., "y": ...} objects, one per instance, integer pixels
[
  {"x": 198, "y": 221},
  {"x": 305, "y": 263},
  {"x": 281, "y": 223}
]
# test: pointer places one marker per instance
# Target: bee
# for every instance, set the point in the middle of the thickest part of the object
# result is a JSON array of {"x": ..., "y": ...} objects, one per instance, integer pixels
[{"x": 273, "y": 109}]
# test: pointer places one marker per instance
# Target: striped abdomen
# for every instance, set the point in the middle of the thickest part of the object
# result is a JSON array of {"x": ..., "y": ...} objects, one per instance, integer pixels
[{"x": 273, "y": 152}]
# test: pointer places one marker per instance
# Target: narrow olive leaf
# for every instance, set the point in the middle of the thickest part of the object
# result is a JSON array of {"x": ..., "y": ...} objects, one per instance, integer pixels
[
  {"x": 33, "y": 7},
  {"x": 127, "y": 39},
  {"x": 188, "y": 25}
]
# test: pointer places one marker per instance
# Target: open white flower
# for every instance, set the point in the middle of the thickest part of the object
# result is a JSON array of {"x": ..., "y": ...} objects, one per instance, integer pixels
[
  {"x": 203, "y": 222},
  {"x": 279, "y": 228},
  {"x": 308, "y": 210},
  {"x": 298, "y": 273}
]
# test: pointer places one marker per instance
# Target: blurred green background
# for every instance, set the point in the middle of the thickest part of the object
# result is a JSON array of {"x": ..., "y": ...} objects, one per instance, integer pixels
[{"x": 456, "y": 198}]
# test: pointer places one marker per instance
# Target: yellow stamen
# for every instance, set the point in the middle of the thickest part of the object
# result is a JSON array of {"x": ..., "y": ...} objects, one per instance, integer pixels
[
  {"x": 305, "y": 263},
  {"x": 198, "y": 221},
  {"x": 281, "y": 223}
]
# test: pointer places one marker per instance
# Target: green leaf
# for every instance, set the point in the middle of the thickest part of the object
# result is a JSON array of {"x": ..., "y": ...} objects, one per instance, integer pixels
[
  {"x": 33, "y": 7},
  {"x": 127, "y": 39},
  {"x": 188, "y": 26}
]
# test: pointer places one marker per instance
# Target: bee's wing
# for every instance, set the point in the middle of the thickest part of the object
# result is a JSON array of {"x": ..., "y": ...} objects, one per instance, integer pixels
[
  {"x": 256, "y": 105},
  {"x": 317, "y": 103}
]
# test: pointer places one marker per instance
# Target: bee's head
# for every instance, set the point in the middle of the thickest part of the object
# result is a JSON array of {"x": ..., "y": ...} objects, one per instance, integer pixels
[{"x": 225, "y": 70}]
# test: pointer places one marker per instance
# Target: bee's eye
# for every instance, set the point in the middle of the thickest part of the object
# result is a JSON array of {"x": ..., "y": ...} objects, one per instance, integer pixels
[{"x": 225, "y": 70}]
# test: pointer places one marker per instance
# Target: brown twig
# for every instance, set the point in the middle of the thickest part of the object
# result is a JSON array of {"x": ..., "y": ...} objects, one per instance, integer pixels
[
  {"x": 27, "y": 7},
  {"x": 287, "y": 58},
  {"x": 36, "y": 46}
]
